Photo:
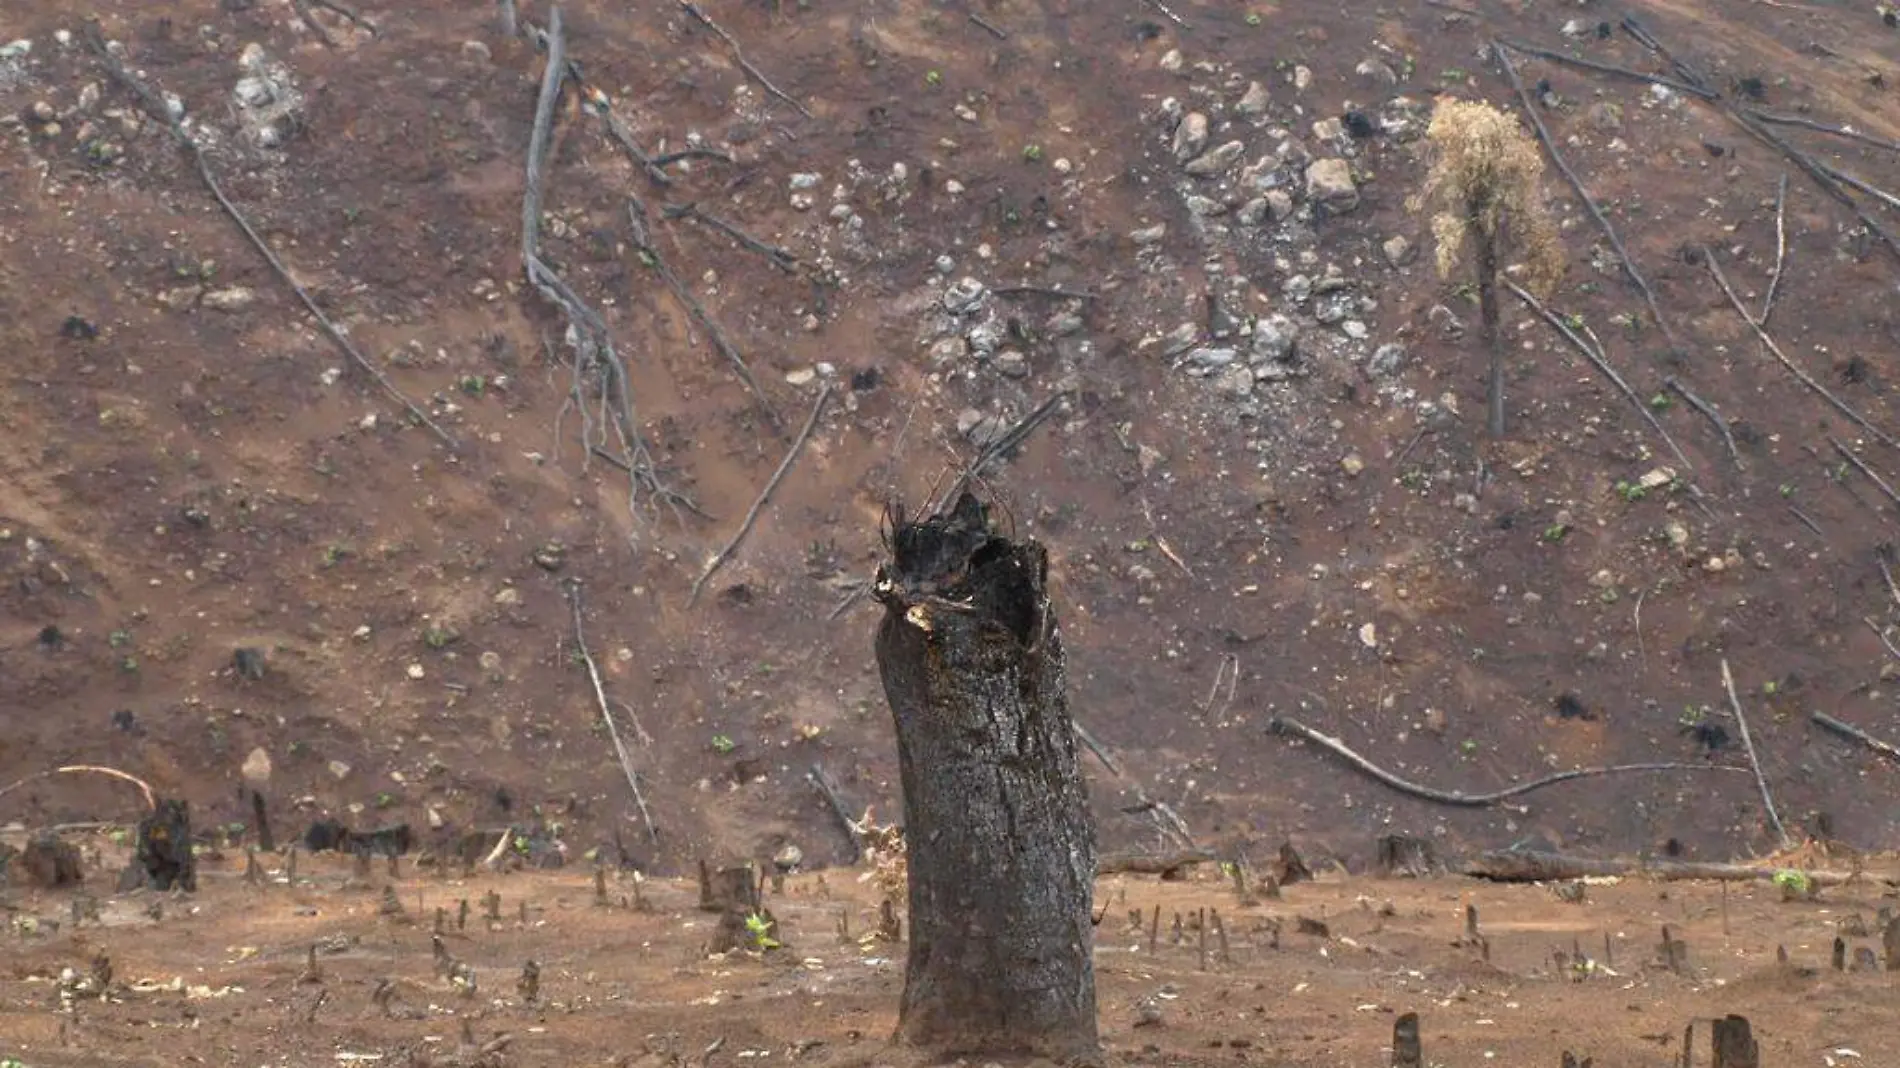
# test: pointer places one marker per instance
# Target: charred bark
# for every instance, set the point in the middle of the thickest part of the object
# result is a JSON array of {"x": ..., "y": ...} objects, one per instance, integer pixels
[
  {"x": 1488, "y": 316},
  {"x": 1001, "y": 847}
]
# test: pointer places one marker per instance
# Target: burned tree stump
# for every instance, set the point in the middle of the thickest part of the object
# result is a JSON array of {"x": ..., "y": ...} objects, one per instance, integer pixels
[
  {"x": 1890, "y": 942},
  {"x": 163, "y": 858},
  {"x": 1289, "y": 867},
  {"x": 266, "y": 841},
  {"x": 1001, "y": 846},
  {"x": 1405, "y": 856},
  {"x": 1407, "y": 1052},
  {"x": 1734, "y": 1043},
  {"x": 733, "y": 892},
  {"x": 50, "y": 862}
]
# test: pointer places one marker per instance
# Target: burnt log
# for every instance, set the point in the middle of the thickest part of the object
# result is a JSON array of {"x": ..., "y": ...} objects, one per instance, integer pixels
[
  {"x": 1734, "y": 1043},
  {"x": 1407, "y": 1051},
  {"x": 1001, "y": 847}
]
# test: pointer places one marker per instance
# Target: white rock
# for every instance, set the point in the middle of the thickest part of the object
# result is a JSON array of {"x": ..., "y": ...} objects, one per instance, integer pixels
[
  {"x": 230, "y": 298},
  {"x": 1254, "y": 102},
  {"x": 1399, "y": 251},
  {"x": 1216, "y": 161},
  {"x": 1190, "y": 138},
  {"x": 339, "y": 769},
  {"x": 1172, "y": 61},
  {"x": 256, "y": 767},
  {"x": 1329, "y": 182}
]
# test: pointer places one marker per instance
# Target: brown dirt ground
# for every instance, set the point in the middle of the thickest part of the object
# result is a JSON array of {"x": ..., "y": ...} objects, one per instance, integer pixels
[
  {"x": 220, "y": 978},
  {"x": 188, "y": 482}
]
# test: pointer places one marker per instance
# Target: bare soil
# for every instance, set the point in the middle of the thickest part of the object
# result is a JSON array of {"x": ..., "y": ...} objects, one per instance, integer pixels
[{"x": 209, "y": 472}]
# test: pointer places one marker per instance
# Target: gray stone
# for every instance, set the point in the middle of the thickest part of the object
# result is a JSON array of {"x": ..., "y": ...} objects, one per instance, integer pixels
[
  {"x": 1180, "y": 339},
  {"x": 1355, "y": 329},
  {"x": 1279, "y": 204},
  {"x": 1386, "y": 360},
  {"x": 1254, "y": 212},
  {"x": 948, "y": 350},
  {"x": 1208, "y": 359},
  {"x": 1297, "y": 288},
  {"x": 1012, "y": 364},
  {"x": 979, "y": 429},
  {"x": 1377, "y": 72},
  {"x": 1235, "y": 381},
  {"x": 1275, "y": 339},
  {"x": 1329, "y": 182},
  {"x": 1253, "y": 103},
  {"x": 985, "y": 337},
  {"x": 1216, "y": 161},
  {"x": 1331, "y": 310},
  {"x": 964, "y": 295},
  {"x": 1149, "y": 235},
  {"x": 1206, "y": 207},
  {"x": 1065, "y": 324},
  {"x": 1399, "y": 251},
  {"x": 788, "y": 859},
  {"x": 1190, "y": 138}
]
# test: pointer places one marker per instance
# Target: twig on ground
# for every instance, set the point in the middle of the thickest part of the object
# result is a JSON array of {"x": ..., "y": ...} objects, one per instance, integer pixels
[
  {"x": 1043, "y": 291},
  {"x": 752, "y": 515},
  {"x": 606, "y": 711},
  {"x": 1161, "y": 542},
  {"x": 857, "y": 593},
  {"x": 1886, "y": 642},
  {"x": 1589, "y": 202},
  {"x": 1847, "y": 730},
  {"x": 1807, "y": 522},
  {"x": 354, "y": 18},
  {"x": 151, "y": 800},
  {"x": 1145, "y": 864},
  {"x": 1282, "y": 725},
  {"x": 1169, "y": 12},
  {"x": 1096, "y": 747},
  {"x": 156, "y": 107},
  {"x": 683, "y": 154},
  {"x": 594, "y": 351},
  {"x": 994, "y": 31},
  {"x": 1861, "y": 184},
  {"x": 302, "y": 8},
  {"x": 1748, "y": 744},
  {"x": 1781, "y": 251},
  {"x": 1006, "y": 444},
  {"x": 1810, "y": 124},
  {"x": 1602, "y": 364},
  {"x": 629, "y": 144},
  {"x": 1769, "y": 343},
  {"x": 1604, "y": 68},
  {"x": 779, "y": 257},
  {"x": 822, "y": 780},
  {"x": 1861, "y": 466},
  {"x": 493, "y": 860},
  {"x": 1886, "y": 572},
  {"x": 1642, "y": 657},
  {"x": 738, "y": 55},
  {"x": 1456, "y": 9},
  {"x": 1714, "y": 416},
  {"x": 643, "y": 244}
]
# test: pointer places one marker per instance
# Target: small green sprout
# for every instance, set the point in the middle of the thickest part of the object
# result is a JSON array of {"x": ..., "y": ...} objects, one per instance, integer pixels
[
  {"x": 1631, "y": 491},
  {"x": 1793, "y": 884},
  {"x": 933, "y": 78},
  {"x": 1660, "y": 402},
  {"x": 1556, "y": 532},
  {"x": 722, "y": 744},
  {"x": 1253, "y": 18},
  {"x": 1032, "y": 153},
  {"x": 760, "y": 929}
]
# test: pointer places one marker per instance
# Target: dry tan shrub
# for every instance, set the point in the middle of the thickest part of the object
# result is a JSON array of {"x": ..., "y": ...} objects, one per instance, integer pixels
[
  {"x": 885, "y": 856},
  {"x": 1485, "y": 182}
]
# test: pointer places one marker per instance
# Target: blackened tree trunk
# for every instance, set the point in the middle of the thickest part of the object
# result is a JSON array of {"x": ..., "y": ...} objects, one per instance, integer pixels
[
  {"x": 1488, "y": 329},
  {"x": 1000, "y": 845}
]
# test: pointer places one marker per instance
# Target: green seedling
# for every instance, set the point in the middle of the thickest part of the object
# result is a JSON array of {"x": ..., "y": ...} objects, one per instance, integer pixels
[{"x": 760, "y": 930}]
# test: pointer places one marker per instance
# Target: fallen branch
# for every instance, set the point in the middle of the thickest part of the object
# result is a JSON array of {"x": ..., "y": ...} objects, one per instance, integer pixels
[
  {"x": 151, "y": 800},
  {"x": 1529, "y": 866},
  {"x": 1601, "y": 364},
  {"x": 1774, "y": 349},
  {"x": 752, "y": 515},
  {"x": 594, "y": 351},
  {"x": 606, "y": 712},
  {"x": 1714, "y": 416},
  {"x": 1748, "y": 744},
  {"x": 738, "y": 54},
  {"x": 156, "y": 107},
  {"x": 1169, "y": 12},
  {"x": 1151, "y": 864},
  {"x": 1859, "y": 465},
  {"x": 1605, "y": 68},
  {"x": 1861, "y": 184},
  {"x": 1282, "y": 725},
  {"x": 302, "y": 7},
  {"x": 1808, "y": 522},
  {"x": 822, "y": 780},
  {"x": 1589, "y": 202},
  {"x": 1838, "y": 131},
  {"x": 354, "y": 18},
  {"x": 993, "y": 30},
  {"x": 643, "y": 244},
  {"x": 1848, "y": 730},
  {"x": 1781, "y": 251}
]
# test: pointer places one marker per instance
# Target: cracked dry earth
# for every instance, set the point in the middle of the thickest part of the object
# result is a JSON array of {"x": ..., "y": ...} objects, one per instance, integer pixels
[{"x": 232, "y": 557}]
